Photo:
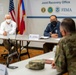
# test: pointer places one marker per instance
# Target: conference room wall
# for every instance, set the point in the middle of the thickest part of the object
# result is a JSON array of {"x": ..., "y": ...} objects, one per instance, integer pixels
[{"x": 3, "y": 9}]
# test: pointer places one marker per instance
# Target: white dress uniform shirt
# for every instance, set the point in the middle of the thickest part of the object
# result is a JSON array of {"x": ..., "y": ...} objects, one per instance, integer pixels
[{"x": 9, "y": 28}]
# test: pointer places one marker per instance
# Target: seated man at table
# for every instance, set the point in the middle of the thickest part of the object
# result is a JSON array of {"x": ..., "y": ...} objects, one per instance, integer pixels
[
  {"x": 6, "y": 28},
  {"x": 65, "y": 56},
  {"x": 52, "y": 30}
]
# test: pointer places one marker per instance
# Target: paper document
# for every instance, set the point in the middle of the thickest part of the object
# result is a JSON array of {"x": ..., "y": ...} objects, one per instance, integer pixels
[
  {"x": 3, "y": 70},
  {"x": 33, "y": 36},
  {"x": 49, "y": 60},
  {"x": 44, "y": 37},
  {"x": 58, "y": 39}
]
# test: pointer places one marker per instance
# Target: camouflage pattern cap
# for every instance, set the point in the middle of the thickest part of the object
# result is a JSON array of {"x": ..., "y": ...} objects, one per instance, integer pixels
[{"x": 36, "y": 64}]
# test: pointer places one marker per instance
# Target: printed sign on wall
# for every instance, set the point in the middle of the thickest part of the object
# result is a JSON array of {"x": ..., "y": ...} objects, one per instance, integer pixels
[{"x": 61, "y": 8}]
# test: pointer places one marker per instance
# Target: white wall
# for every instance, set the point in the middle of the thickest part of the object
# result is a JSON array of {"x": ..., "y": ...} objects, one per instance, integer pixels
[
  {"x": 3, "y": 10},
  {"x": 4, "y": 5}
]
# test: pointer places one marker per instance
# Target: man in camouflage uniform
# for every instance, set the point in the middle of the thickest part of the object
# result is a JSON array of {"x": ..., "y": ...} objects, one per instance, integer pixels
[{"x": 65, "y": 57}]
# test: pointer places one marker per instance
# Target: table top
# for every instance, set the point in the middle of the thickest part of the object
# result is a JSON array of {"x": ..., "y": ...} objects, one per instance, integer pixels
[
  {"x": 22, "y": 70},
  {"x": 13, "y": 37},
  {"x": 26, "y": 38}
]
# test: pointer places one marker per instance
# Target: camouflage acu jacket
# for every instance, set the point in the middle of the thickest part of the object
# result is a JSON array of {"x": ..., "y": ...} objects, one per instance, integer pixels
[{"x": 65, "y": 56}]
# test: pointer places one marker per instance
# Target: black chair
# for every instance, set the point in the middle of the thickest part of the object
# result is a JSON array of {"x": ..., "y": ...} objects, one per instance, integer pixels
[
  {"x": 14, "y": 50},
  {"x": 5, "y": 55}
]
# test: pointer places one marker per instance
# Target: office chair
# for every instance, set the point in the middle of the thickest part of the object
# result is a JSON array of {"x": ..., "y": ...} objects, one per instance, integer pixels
[{"x": 12, "y": 51}]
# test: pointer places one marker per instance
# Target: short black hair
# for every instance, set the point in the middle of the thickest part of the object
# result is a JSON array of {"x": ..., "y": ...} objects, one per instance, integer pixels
[
  {"x": 54, "y": 15},
  {"x": 68, "y": 24}
]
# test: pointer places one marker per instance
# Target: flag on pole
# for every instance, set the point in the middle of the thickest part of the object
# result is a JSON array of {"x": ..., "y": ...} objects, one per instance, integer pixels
[
  {"x": 21, "y": 16},
  {"x": 12, "y": 10}
]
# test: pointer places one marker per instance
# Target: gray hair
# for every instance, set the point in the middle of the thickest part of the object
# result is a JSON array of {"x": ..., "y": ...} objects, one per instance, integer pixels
[
  {"x": 68, "y": 25},
  {"x": 6, "y": 15}
]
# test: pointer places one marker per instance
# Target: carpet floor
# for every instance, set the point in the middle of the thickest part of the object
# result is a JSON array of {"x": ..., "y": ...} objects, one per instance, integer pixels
[{"x": 32, "y": 53}]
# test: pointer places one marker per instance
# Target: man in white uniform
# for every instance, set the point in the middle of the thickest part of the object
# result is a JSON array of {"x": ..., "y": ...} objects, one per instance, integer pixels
[{"x": 8, "y": 27}]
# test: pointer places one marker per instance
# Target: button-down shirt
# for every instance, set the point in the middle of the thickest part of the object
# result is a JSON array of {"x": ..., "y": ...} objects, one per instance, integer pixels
[
  {"x": 9, "y": 28},
  {"x": 50, "y": 29}
]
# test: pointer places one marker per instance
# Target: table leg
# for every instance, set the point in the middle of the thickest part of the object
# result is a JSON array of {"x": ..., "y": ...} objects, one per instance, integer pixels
[{"x": 21, "y": 54}]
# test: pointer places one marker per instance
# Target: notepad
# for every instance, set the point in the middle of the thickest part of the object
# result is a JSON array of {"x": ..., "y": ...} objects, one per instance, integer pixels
[
  {"x": 57, "y": 39},
  {"x": 3, "y": 70},
  {"x": 44, "y": 37}
]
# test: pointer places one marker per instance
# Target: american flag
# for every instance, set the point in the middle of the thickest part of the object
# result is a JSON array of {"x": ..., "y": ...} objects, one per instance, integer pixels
[{"x": 12, "y": 10}]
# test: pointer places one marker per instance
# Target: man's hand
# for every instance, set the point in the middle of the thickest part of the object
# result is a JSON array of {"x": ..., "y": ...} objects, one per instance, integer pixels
[
  {"x": 5, "y": 33},
  {"x": 54, "y": 35},
  {"x": 53, "y": 64},
  {"x": 47, "y": 61}
]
